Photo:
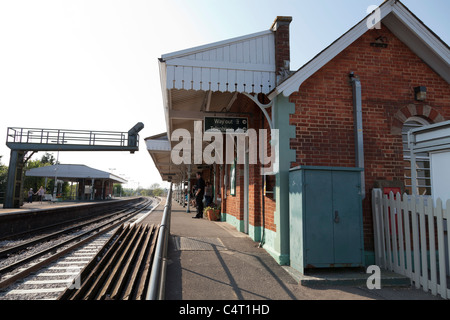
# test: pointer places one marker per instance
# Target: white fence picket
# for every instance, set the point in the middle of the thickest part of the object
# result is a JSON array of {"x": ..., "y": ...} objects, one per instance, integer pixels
[
  {"x": 408, "y": 271},
  {"x": 406, "y": 229},
  {"x": 401, "y": 241},
  {"x": 393, "y": 226},
  {"x": 431, "y": 239},
  {"x": 416, "y": 252},
  {"x": 388, "y": 254},
  {"x": 423, "y": 245},
  {"x": 447, "y": 217},
  {"x": 377, "y": 227},
  {"x": 442, "y": 289}
]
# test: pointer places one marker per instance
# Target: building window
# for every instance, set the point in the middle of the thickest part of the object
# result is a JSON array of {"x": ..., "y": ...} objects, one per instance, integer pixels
[{"x": 423, "y": 181}]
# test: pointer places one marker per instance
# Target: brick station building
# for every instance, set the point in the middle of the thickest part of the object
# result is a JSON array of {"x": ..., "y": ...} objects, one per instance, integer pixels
[{"x": 395, "y": 75}]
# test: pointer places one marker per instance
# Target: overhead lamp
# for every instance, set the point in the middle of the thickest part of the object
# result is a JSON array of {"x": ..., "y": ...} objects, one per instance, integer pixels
[{"x": 420, "y": 93}]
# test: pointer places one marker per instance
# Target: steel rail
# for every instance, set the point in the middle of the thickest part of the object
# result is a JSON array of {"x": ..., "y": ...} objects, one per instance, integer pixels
[
  {"x": 120, "y": 207},
  {"x": 12, "y": 249},
  {"x": 97, "y": 231},
  {"x": 120, "y": 271},
  {"x": 156, "y": 285}
]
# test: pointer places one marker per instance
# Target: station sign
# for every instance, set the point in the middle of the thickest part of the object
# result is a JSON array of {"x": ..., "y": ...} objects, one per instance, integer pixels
[{"x": 238, "y": 125}]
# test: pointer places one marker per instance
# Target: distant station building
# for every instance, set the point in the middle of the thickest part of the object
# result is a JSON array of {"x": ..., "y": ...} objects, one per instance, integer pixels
[
  {"x": 338, "y": 128},
  {"x": 91, "y": 184}
]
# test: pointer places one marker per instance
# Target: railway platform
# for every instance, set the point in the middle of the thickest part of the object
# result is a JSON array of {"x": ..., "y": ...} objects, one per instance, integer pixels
[
  {"x": 211, "y": 260},
  {"x": 44, "y": 205}
]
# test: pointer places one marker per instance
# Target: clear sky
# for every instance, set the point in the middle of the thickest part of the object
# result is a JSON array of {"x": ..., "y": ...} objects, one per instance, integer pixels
[{"x": 92, "y": 65}]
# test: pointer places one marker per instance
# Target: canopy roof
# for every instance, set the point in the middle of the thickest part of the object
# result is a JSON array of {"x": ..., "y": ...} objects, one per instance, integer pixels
[
  {"x": 159, "y": 148},
  {"x": 207, "y": 81},
  {"x": 73, "y": 171},
  {"x": 431, "y": 138}
]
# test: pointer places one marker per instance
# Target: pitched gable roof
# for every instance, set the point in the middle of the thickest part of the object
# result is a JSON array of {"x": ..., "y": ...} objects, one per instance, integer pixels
[
  {"x": 402, "y": 23},
  {"x": 72, "y": 171},
  {"x": 243, "y": 64}
]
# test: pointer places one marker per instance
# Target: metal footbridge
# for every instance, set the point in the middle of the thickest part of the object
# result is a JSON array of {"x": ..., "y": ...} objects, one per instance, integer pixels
[{"x": 24, "y": 142}]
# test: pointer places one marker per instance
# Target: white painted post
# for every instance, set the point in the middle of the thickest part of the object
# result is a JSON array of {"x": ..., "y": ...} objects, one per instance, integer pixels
[{"x": 441, "y": 250}]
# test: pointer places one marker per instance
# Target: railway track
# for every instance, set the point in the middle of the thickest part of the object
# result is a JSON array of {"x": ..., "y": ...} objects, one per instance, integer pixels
[
  {"x": 120, "y": 273},
  {"x": 68, "y": 250},
  {"x": 50, "y": 281}
]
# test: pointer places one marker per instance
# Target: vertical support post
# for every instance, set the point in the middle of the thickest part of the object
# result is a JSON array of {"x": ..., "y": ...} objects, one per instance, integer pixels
[
  {"x": 92, "y": 190},
  {"x": 284, "y": 155},
  {"x": 82, "y": 189},
  {"x": 13, "y": 197},
  {"x": 183, "y": 203},
  {"x": 413, "y": 174},
  {"x": 246, "y": 192},
  {"x": 188, "y": 210},
  {"x": 9, "y": 197}
]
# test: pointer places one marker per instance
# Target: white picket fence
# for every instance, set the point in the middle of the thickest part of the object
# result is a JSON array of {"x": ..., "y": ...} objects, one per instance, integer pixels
[{"x": 411, "y": 239}]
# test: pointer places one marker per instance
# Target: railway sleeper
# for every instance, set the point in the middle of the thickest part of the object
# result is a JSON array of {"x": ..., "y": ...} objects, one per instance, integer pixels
[{"x": 120, "y": 271}]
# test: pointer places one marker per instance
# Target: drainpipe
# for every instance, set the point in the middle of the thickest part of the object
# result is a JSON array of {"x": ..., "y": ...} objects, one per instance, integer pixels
[{"x": 359, "y": 143}]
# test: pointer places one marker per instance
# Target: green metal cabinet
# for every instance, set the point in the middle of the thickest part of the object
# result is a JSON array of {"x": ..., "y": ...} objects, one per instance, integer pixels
[{"x": 325, "y": 211}]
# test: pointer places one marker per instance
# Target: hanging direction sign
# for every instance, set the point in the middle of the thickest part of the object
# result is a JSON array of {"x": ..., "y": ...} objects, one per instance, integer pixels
[{"x": 224, "y": 124}]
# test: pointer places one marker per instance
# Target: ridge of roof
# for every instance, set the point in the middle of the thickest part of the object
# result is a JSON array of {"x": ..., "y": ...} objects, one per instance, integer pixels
[
  {"x": 74, "y": 174},
  {"x": 197, "y": 49},
  {"x": 294, "y": 81}
]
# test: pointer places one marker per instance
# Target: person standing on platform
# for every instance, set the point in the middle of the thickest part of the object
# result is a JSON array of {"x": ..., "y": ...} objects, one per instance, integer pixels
[
  {"x": 199, "y": 193},
  {"x": 40, "y": 193},
  {"x": 30, "y": 196}
]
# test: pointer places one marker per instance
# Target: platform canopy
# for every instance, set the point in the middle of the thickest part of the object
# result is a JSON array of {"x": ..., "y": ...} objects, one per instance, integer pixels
[
  {"x": 159, "y": 148},
  {"x": 71, "y": 172},
  {"x": 207, "y": 81}
]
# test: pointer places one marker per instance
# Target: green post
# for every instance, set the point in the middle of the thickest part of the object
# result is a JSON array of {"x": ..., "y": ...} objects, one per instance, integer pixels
[{"x": 284, "y": 156}]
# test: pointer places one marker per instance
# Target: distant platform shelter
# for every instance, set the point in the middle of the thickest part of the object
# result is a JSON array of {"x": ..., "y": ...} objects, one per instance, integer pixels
[{"x": 92, "y": 184}]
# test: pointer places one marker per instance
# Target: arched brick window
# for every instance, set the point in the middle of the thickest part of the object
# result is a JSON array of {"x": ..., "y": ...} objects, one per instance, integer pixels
[
  {"x": 416, "y": 111},
  {"x": 423, "y": 181}
]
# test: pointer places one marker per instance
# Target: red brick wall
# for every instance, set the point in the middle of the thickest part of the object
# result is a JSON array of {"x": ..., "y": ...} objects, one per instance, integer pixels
[
  {"x": 324, "y": 110},
  {"x": 107, "y": 188}
]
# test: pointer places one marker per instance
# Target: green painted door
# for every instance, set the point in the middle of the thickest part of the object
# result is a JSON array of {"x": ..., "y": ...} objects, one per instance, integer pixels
[
  {"x": 319, "y": 236},
  {"x": 333, "y": 218},
  {"x": 347, "y": 217}
]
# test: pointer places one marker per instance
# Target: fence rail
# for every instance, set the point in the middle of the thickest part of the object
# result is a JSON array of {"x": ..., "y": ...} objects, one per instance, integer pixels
[
  {"x": 63, "y": 136},
  {"x": 156, "y": 286},
  {"x": 411, "y": 239}
]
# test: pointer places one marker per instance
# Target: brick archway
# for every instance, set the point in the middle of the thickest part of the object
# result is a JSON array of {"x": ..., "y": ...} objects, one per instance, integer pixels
[{"x": 425, "y": 111}]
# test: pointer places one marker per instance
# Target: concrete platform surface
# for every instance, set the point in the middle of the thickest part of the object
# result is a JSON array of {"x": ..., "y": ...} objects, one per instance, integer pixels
[
  {"x": 211, "y": 260},
  {"x": 45, "y": 205}
]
